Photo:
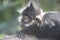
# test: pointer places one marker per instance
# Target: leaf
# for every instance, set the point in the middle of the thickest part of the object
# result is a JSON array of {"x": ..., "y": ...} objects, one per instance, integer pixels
[{"x": 1, "y": 36}]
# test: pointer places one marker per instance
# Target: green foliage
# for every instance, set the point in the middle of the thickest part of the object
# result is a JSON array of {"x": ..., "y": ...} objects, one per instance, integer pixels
[
  {"x": 9, "y": 15},
  {"x": 48, "y": 4}
]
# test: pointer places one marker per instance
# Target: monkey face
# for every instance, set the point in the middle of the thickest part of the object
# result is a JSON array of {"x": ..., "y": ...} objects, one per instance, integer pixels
[{"x": 27, "y": 21}]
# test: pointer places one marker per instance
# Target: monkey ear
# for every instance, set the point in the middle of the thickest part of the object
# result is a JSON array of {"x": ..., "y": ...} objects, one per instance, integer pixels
[
  {"x": 36, "y": 6},
  {"x": 38, "y": 19}
]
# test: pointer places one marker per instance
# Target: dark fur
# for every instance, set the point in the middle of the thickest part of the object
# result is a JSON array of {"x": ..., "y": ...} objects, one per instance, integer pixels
[{"x": 52, "y": 30}]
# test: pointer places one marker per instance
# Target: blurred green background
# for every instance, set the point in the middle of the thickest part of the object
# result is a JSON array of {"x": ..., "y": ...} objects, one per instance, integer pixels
[{"x": 9, "y": 14}]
